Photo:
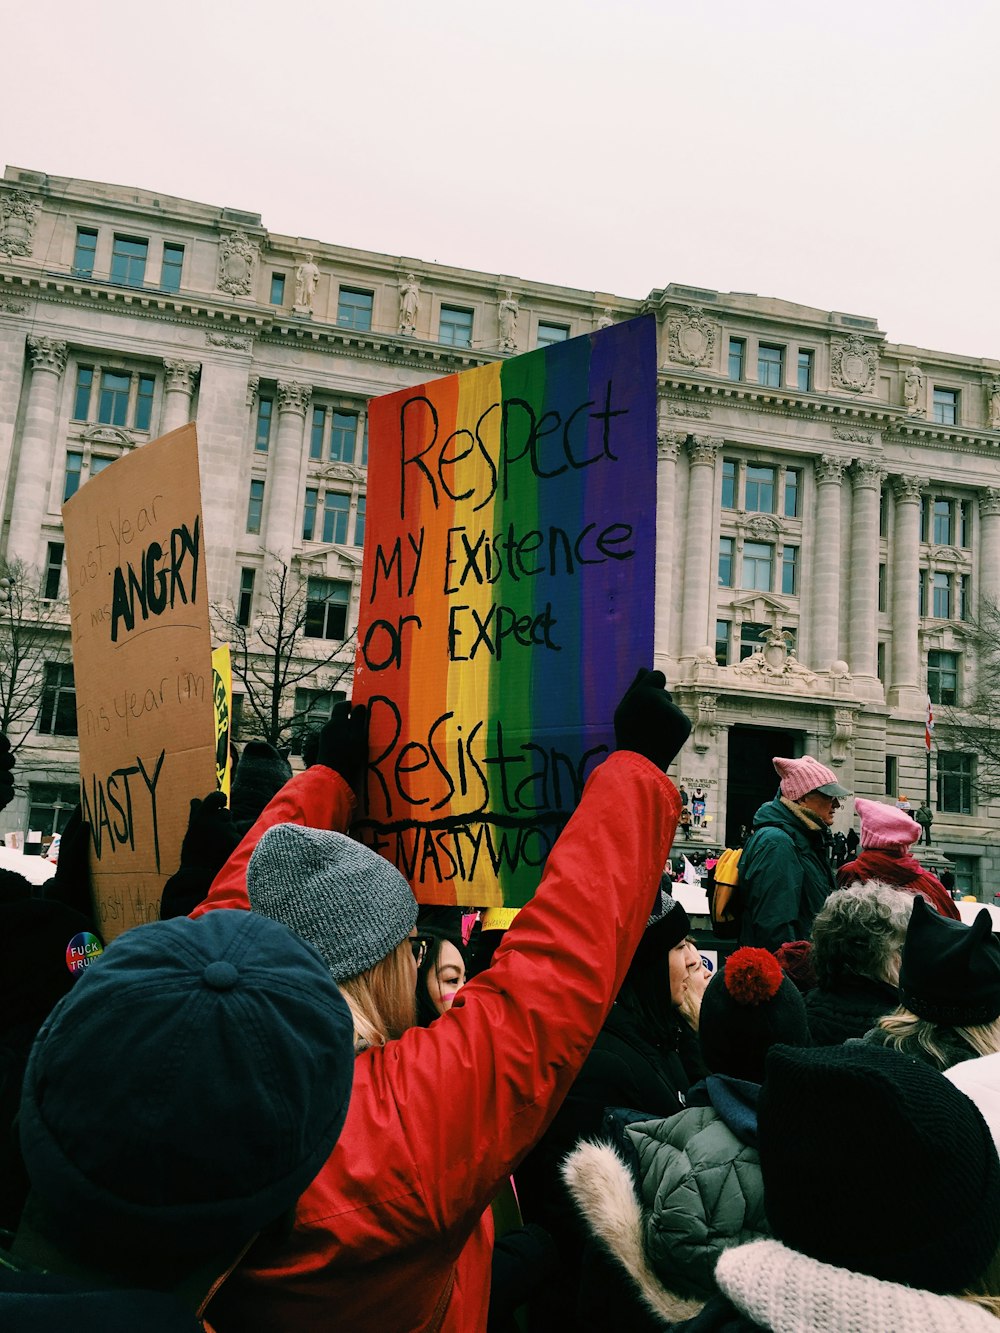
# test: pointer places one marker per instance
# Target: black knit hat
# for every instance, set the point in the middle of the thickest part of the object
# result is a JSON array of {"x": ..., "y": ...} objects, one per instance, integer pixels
[
  {"x": 260, "y": 774},
  {"x": 950, "y": 972},
  {"x": 186, "y": 1091},
  {"x": 874, "y": 1162},
  {"x": 748, "y": 1006}
]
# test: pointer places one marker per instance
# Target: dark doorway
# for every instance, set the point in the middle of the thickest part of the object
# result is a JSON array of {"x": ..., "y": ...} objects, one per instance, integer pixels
[{"x": 752, "y": 779}]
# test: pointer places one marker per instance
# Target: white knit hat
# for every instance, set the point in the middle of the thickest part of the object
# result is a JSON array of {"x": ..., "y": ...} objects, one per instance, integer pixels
[{"x": 349, "y": 903}]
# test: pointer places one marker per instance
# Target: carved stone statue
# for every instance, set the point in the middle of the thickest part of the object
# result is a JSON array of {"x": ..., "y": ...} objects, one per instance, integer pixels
[
  {"x": 306, "y": 282},
  {"x": 605, "y": 321},
  {"x": 913, "y": 382},
  {"x": 409, "y": 304},
  {"x": 507, "y": 313},
  {"x": 993, "y": 403}
]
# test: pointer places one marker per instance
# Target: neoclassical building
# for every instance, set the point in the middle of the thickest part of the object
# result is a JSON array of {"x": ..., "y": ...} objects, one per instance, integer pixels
[{"x": 828, "y": 502}]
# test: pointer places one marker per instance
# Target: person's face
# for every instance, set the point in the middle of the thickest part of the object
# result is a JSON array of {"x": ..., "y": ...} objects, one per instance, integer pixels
[
  {"x": 824, "y": 807},
  {"x": 446, "y": 978},
  {"x": 684, "y": 964}
]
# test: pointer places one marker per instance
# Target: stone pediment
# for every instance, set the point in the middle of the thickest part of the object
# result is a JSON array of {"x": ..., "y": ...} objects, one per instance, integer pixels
[
  {"x": 340, "y": 472},
  {"x": 318, "y": 561},
  {"x": 759, "y": 527},
  {"x": 108, "y": 435},
  {"x": 947, "y": 555},
  {"x": 760, "y": 607}
]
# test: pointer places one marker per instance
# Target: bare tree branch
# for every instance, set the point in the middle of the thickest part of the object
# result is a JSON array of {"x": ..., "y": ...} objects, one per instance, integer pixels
[
  {"x": 976, "y": 725},
  {"x": 32, "y": 632}
]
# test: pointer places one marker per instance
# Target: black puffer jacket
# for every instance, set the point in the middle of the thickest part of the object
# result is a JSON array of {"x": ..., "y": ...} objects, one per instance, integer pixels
[{"x": 849, "y": 1009}]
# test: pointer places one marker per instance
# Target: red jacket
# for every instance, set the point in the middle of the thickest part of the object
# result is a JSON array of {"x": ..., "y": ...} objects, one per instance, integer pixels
[
  {"x": 391, "y": 1236},
  {"x": 901, "y": 871}
]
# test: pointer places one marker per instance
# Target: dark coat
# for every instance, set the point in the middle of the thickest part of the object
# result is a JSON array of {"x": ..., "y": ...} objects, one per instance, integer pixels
[
  {"x": 849, "y": 1009},
  {"x": 785, "y": 875},
  {"x": 34, "y": 1302}
]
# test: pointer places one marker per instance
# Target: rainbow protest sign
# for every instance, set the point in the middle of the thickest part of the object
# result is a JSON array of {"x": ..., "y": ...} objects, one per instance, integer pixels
[{"x": 507, "y": 601}]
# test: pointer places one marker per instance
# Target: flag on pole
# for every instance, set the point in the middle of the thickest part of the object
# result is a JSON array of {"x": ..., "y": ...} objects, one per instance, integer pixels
[{"x": 929, "y": 725}]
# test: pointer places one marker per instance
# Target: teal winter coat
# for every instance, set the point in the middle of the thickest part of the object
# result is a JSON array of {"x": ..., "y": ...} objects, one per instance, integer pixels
[{"x": 785, "y": 875}]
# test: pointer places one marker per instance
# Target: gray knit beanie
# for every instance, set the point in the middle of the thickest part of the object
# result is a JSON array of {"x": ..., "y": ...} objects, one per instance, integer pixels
[{"x": 348, "y": 902}]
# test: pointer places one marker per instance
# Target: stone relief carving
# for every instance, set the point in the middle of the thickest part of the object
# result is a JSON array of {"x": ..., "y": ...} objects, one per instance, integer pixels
[
  {"x": 705, "y": 725},
  {"x": 507, "y": 313},
  {"x": 691, "y": 337},
  {"x": 237, "y": 257},
  {"x": 776, "y": 664},
  {"x": 700, "y": 412},
  {"x": 109, "y": 435},
  {"x": 668, "y": 443},
  {"x": 605, "y": 321},
  {"x": 759, "y": 527},
  {"x": 989, "y": 502},
  {"x": 306, "y": 282},
  {"x": 341, "y": 472},
  {"x": 17, "y": 223},
  {"x": 909, "y": 489},
  {"x": 913, "y": 382},
  {"x": 853, "y": 436},
  {"x": 47, "y": 354},
  {"x": 841, "y": 735},
  {"x": 830, "y": 468},
  {"x": 409, "y": 304},
  {"x": 235, "y": 341},
  {"x": 704, "y": 448},
  {"x": 867, "y": 472},
  {"x": 253, "y": 384},
  {"x": 181, "y": 375},
  {"x": 13, "y": 307},
  {"x": 293, "y": 397},
  {"x": 854, "y": 363},
  {"x": 993, "y": 404}
]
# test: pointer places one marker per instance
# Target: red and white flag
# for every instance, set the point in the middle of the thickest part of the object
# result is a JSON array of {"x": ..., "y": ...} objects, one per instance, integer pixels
[{"x": 929, "y": 725}]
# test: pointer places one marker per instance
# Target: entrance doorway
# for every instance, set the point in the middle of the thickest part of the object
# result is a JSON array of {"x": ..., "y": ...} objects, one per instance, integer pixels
[{"x": 752, "y": 779}]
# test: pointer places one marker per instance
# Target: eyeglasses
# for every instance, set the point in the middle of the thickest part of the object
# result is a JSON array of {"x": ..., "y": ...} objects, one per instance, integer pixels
[{"x": 420, "y": 944}]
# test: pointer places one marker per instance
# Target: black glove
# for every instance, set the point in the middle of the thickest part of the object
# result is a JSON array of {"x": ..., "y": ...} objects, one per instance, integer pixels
[
  {"x": 649, "y": 722},
  {"x": 71, "y": 882},
  {"x": 343, "y": 742},
  {"x": 7, "y": 762},
  {"x": 211, "y": 835}
]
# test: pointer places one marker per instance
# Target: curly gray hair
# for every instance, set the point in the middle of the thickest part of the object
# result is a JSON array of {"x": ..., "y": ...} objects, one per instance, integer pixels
[{"x": 859, "y": 931}]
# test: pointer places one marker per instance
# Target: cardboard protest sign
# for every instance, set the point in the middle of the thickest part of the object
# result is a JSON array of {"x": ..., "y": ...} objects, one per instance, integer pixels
[
  {"x": 506, "y": 603},
  {"x": 222, "y": 701},
  {"x": 135, "y": 555}
]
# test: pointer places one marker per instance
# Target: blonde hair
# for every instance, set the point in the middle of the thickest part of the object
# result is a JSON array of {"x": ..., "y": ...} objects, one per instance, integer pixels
[
  {"x": 986, "y": 1292},
  {"x": 917, "y": 1036},
  {"x": 382, "y": 1000}
]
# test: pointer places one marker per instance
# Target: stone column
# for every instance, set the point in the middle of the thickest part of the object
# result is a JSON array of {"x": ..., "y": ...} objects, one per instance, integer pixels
[
  {"x": 989, "y": 548},
  {"x": 668, "y": 444},
  {"x": 700, "y": 556},
  {"x": 829, "y": 470},
  {"x": 905, "y": 564},
  {"x": 867, "y": 476},
  {"x": 282, "y": 488},
  {"x": 179, "y": 380},
  {"x": 35, "y": 456}
]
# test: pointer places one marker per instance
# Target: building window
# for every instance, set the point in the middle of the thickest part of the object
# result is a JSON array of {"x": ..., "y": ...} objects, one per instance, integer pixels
[
  {"x": 112, "y": 401},
  {"x": 50, "y": 805},
  {"x": 804, "y": 370},
  {"x": 883, "y": 513},
  {"x": 57, "y": 714},
  {"x": 81, "y": 399},
  {"x": 758, "y": 558},
  {"x": 737, "y": 357},
  {"x": 144, "y": 402},
  {"x": 880, "y": 661},
  {"x": 941, "y": 609},
  {"x": 277, "y": 289},
  {"x": 881, "y": 586},
  {"x": 309, "y": 513},
  {"x": 922, "y": 592},
  {"x": 723, "y": 633},
  {"x": 74, "y": 470},
  {"x": 551, "y": 333},
  {"x": 343, "y": 436},
  {"x": 751, "y": 638},
  {"x": 943, "y": 522},
  {"x": 359, "y": 522},
  {"x": 966, "y": 872},
  {"x": 725, "y": 562},
  {"x": 925, "y": 519},
  {"x": 455, "y": 328},
  {"x": 965, "y": 524},
  {"x": 327, "y": 602},
  {"x": 791, "y": 493},
  {"x": 265, "y": 415},
  {"x": 965, "y": 596},
  {"x": 170, "y": 273},
  {"x": 728, "y": 483},
  {"x": 945, "y": 406},
  {"x": 354, "y": 309},
  {"x": 312, "y": 709},
  {"x": 53, "y": 571},
  {"x": 99, "y": 463},
  {"x": 336, "y": 509},
  {"x": 317, "y": 433},
  {"x": 85, "y": 252},
  {"x": 364, "y": 443},
  {"x": 790, "y": 570},
  {"x": 235, "y": 716},
  {"x": 891, "y": 775},
  {"x": 942, "y": 677},
  {"x": 759, "y": 489},
  {"x": 255, "y": 509},
  {"x": 244, "y": 608},
  {"x": 770, "y": 365},
  {"x": 128, "y": 261},
  {"x": 954, "y": 782}
]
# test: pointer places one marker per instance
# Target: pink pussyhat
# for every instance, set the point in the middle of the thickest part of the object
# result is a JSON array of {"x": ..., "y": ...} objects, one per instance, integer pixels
[
  {"x": 885, "y": 825},
  {"x": 801, "y": 776}
]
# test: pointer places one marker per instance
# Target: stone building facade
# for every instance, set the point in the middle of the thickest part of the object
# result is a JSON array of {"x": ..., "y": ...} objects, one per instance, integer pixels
[{"x": 828, "y": 502}]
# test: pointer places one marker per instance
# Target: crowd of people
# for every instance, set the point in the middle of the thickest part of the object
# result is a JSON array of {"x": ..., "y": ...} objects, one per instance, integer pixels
[{"x": 300, "y": 1102}]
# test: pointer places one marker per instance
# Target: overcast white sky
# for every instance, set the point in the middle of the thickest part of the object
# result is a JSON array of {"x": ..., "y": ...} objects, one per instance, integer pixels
[{"x": 844, "y": 155}]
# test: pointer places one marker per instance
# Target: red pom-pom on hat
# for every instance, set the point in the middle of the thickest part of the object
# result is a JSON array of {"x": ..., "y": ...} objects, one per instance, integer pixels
[{"x": 753, "y": 976}]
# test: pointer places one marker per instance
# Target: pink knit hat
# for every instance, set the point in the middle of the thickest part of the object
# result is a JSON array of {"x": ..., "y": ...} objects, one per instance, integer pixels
[
  {"x": 885, "y": 825},
  {"x": 801, "y": 776}
]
